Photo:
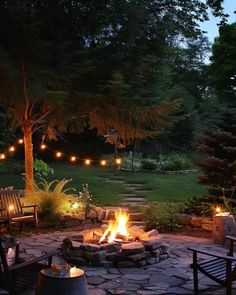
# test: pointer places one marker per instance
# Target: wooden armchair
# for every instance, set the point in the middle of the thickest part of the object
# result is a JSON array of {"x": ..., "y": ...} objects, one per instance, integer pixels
[
  {"x": 12, "y": 211},
  {"x": 19, "y": 275},
  {"x": 220, "y": 268}
]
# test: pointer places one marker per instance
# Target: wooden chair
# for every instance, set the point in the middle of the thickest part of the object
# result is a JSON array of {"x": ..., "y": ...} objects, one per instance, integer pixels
[
  {"x": 21, "y": 275},
  {"x": 220, "y": 268},
  {"x": 12, "y": 211}
]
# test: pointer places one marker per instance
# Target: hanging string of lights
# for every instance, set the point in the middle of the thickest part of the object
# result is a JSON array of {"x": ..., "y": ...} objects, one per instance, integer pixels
[{"x": 59, "y": 155}]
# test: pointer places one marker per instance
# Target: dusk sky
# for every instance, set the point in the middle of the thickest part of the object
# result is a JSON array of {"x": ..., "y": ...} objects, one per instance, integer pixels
[{"x": 211, "y": 25}]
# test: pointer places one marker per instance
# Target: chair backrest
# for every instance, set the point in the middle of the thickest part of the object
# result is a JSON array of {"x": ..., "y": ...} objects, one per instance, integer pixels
[{"x": 10, "y": 202}]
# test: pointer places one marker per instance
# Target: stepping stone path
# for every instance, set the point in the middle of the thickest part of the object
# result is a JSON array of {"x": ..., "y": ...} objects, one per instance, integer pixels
[
  {"x": 170, "y": 277},
  {"x": 133, "y": 200}
]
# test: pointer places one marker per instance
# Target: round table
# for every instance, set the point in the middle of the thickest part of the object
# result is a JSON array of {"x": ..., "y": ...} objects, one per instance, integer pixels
[{"x": 71, "y": 283}]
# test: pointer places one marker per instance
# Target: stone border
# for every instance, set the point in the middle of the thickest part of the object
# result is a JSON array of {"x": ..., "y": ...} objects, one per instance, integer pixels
[{"x": 201, "y": 223}]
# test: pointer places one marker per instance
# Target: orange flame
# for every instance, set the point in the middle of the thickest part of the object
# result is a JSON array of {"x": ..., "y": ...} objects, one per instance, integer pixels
[{"x": 117, "y": 226}]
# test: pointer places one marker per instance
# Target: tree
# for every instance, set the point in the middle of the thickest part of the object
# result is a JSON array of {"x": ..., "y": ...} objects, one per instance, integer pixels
[
  {"x": 221, "y": 71},
  {"x": 218, "y": 146}
]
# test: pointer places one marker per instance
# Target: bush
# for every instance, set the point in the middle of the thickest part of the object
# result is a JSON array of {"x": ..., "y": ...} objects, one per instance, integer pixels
[
  {"x": 162, "y": 216},
  {"x": 85, "y": 198},
  {"x": 41, "y": 169},
  {"x": 198, "y": 206},
  {"x": 175, "y": 162},
  {"x": 52, "y": 199},
  {"x": 148, "y": 165}
]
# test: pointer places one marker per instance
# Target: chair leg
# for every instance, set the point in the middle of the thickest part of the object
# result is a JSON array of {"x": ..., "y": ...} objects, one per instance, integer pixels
[
  {"x": 195, "y": 280},
  {"x": 36, "y": 223}
]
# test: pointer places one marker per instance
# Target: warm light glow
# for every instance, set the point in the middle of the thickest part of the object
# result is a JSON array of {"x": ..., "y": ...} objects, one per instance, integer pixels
[
  {"x": 20, "y": 140},
  {"x": 58, "y": 154},
  {"x": 117, "y": 226},
  {"x": 103, "y": 162},
  {"x": 218, "y": 209},
  {"x": 74, "y": 206},
  {"x": 43, "y": 147},
  {"x": 12, "y": 149},
  {"x": 73, "y": 158},
  {"x": 118, "y": 161},
  {"x": 87, "y": 162},
  {"x": 11, "y": 208},
  {"x": 2, "y": 156}
]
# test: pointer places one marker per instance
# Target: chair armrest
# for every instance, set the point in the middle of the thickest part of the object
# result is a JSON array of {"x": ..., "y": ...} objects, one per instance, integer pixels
[
  {"x": 29, "y": 206},
  {"x": 37, "y": 259},
  {"x": 231, "y": 238},
  {"x": 213, "y": 254}
]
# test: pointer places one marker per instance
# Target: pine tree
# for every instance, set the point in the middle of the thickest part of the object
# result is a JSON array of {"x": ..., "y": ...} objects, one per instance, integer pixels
[{"x": 218, "y": 145}]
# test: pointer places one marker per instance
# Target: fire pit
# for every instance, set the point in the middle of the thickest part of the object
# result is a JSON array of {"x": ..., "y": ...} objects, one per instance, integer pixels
[{"x": 116, "y": 245}]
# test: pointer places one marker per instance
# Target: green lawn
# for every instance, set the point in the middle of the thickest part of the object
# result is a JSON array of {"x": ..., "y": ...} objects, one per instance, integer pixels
[{"x": 163, "y": 187}]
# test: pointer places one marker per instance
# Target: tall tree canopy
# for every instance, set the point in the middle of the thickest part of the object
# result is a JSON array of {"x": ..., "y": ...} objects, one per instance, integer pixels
[
  {"x": 222, "y": 70},
  {"x": 67, "y": 63}
]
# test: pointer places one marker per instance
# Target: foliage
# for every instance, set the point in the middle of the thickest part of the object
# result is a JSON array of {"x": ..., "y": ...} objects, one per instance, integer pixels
[
  {"x": 198, "y": 206},
  {"x": 162, "y": 216},
  {"x": 218, "y": 147},
  {"x": 42, "y": 169},
  {"x": 11, "y": 166},
  {"x": 221, "y": 71},
  {"x": 85, "y": 197},
  {"x": 175, "y": 162},
  {"x": 52, "y": 198},
  {"x": 148, "y": 164}
]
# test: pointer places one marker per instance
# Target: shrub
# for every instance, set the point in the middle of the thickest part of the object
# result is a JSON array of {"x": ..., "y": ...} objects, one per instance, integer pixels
[
  {"x": 53, "y": 200},
  {"x": 175, "y": 162},
  {"x": 41, "y": 169},
  {"x": 198, "y": 206},
  {"x": 85, "y": 197},
  {"x": 148, "y": 164},
  {"x": 162, "y": 216}
]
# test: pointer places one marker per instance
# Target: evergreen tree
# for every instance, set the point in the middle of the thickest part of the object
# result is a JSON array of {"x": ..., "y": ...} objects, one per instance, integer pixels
[{"x": 218, "y": 146}]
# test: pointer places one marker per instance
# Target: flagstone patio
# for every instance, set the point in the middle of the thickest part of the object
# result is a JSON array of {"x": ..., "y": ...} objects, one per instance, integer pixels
[{"x": 170, "y": 277}]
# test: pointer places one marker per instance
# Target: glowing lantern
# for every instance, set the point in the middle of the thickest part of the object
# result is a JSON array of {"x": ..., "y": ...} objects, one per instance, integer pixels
[
  {"x": 87, "y": 162},
  {"x": 12, "y": 149},
  {"x": 20, "y": 141},
  {"x": 103, "y": 162},
  {"x": 74, "y": 206},
  {"x": 11, "y": 208}
]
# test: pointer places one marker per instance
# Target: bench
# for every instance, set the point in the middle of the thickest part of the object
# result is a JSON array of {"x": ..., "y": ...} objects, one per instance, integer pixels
[
  {"x": 12, "y": 211},
  {"x": 220, "y": 268}
]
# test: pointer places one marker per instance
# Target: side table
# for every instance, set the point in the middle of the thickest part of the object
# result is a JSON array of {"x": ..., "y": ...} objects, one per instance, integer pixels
[{"x": 72, "y": 283}]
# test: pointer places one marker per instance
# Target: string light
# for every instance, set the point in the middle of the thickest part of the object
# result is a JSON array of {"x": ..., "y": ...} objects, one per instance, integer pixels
[
  {"x": 87, "y": 162},
  {"x": 43, "y": 146},
  {"x": 11, "y": 208},
  {"x": 118, "y": 161},
  {"x": 72, "y": 158},
  {"x": 74, "y": 205},
  {"x": 2, "y": 156},
  {"x": 103, "y": 162},
  {"x": 58, "y": 154},
  {"x": 12, "y": 149}
]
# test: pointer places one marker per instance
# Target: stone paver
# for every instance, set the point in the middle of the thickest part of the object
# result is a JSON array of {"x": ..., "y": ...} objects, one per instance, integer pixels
[{"x": 172, "y": 276}]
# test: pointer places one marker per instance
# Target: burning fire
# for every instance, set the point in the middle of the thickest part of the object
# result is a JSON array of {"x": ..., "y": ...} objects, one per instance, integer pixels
[{"x": 117, "y": 227}]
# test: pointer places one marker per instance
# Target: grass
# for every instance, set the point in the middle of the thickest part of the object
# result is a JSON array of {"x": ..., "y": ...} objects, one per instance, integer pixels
[{"x": 163, "y": 188}]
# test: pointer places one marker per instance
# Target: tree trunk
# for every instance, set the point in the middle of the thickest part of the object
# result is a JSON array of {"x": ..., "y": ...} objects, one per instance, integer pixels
[{"x": 29, "y": 161}]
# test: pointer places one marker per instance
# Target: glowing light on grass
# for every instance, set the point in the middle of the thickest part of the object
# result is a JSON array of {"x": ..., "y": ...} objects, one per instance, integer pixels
[{"x": 118, "y": 161}]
